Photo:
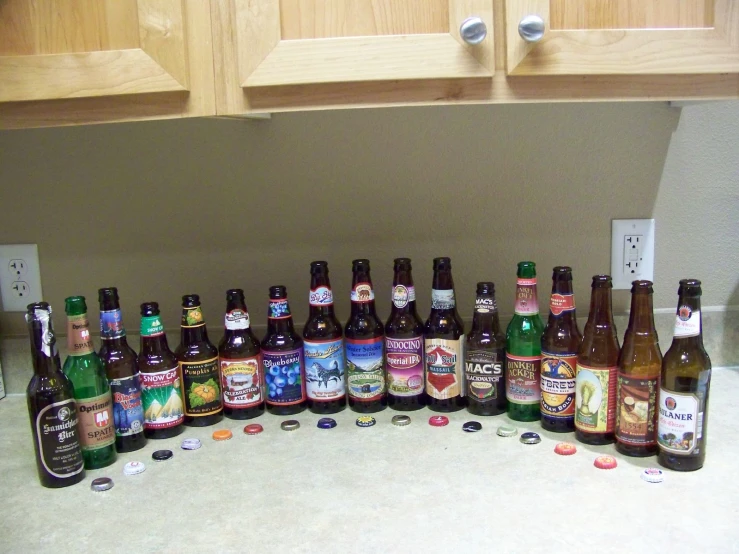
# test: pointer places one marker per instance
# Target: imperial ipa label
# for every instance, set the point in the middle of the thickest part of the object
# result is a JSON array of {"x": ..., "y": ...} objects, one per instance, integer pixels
[
  {"x": 201, "y": 387},
  {"x": 444, "y": 368},
  {"x": 95, "y": 421},
  {"x": 404, "y": 365},
  {"x": 595, "y": 393},
  {"x": 324, "y": 369},
  {"x": 636, "y": 410},
  {"x": 365, "y": 368},
  {"x": 558, "y": 385},
  {"x": 524, "y": 372},
  {"x": 58, "y": 439}
]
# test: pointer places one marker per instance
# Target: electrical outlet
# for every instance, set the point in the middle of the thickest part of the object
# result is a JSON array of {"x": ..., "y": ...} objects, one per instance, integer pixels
[
  {"x": 632, "y": 251},
  {"x": 20, "y": 276}
]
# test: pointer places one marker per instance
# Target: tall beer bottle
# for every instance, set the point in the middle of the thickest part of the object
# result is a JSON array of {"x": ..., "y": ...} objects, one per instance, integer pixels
[
  {"x": 683, "y": 393},
  {"x": 404, "y": 343},
  {"x": 523, "y": 349},
  {"x": 484, "y": 356},
  {"x": 122, "y": 369},
  {"x": 51, "y": 406},
  {"x": 323, "y": 347},
  {"x": 91, "y": 389},
  {"x": 241, "y": 365},
  {"x": 597, "y": 369},
  {"x": 160, "y": 374},
  {"x": 559, "y": 345},
  {"x": 198, "y": 360},
  {"x": 443, "y": 335},
  {"x": 282, "y": 358},
  {"x": 639, "y": 366},
  {"x": 365, "y": 360}
]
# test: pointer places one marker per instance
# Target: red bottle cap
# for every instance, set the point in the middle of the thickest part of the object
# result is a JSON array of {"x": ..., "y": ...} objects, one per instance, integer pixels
[
  {"x": 605, "y": 462},
  {"x": 438, "y": 421},
  {"x": 565, "y": 449},
  {"x": 253, "y": 429}
]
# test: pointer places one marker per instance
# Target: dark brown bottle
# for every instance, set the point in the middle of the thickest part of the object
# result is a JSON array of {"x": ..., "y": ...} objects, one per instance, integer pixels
[
  {"x": 484, "y": 357},
  {"x": 559, "y": 346},
  {"x": 365, "y": 360},
  {"x": 443, "y": 344},
  {"x": 198, "y": 361},
  {"x": 51, "y": 406},
  {"x": 323, "y": 347},
  {"x": 404, "y": 344},
  {"x": 241, "y": 366},
  {"x": 282, "y": 358},
  {"x": 122, "y": 370},
  {"x": 597, "y": 369}
]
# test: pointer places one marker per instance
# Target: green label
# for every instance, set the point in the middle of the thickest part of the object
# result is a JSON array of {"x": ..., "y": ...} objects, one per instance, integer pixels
[
  {"x": 192, "y": 317},
  {"x": 200, "y": 387},
  {"x": 151, "y": 325}
]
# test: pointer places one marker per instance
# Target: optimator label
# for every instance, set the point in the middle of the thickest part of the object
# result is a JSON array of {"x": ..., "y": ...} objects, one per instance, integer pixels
[
  {"x": 522, "y": 379},
  {"x": 96, "y": 421},
  {"x": 79, "y": 341}
]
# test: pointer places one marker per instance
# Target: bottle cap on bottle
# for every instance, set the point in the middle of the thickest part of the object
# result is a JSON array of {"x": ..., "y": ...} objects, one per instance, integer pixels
[
  {"x": 602, "y": 281},
  {"x": 642, "y": 286},
  {"x": 234, "y": 294},
  {"x": 404, "y": 263},
  {"x": 442, "y": 263},
  {"x": 75, "y": 305},
  {"x": 486, "y": 287},
  {"x": 108, "y": 294},
  {"x": 190, "y": 301},
  {"x": 360, "y": 264},
  {"x": 318, "y": 266},
  {"x": 689, "y": 286},
  {"x": 277, "y": 292},
  {"x": 149, "y": 309}
]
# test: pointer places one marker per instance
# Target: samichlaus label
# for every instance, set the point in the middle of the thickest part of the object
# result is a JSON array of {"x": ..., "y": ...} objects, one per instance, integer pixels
[{"x": 58, "y": 440}]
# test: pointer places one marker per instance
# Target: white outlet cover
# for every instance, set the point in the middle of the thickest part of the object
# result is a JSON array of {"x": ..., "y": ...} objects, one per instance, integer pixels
[
  {"x": 620, "y": 228},
  {"x": 29, "y": 276}
]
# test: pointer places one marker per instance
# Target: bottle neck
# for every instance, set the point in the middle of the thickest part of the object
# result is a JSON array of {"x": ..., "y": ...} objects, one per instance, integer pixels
[
  {"x": 279, "y": 319},
  {"x": 154, "y": 344},
  {"x": 485, "y": 318},
  {"x": 641, "y": 319},
  {"x": 43, "y": 348},
  {"x": 404, "y": 293},
  {"x": 688, "y": 321},
  {"x": 442, "y": 292},
  {"x": 192, "y": 328},
  {"x": 236, "y": 320},
  {"x": 363, "y": 294},
  {"x": 601, "y": 312}
]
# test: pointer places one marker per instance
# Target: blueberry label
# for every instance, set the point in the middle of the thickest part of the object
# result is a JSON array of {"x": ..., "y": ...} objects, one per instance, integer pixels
[
  {"x": 128, "y": 411},
  {"x": 365, "y": 368},
  {"x": 283, "y": 372},
  {"x": 324, "y": 369}
]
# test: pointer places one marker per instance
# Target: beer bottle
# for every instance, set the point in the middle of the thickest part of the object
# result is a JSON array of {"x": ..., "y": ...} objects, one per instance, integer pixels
[
  {"x": 282, "y": 358},
  {"x": 683, "y": 393},
  {"x": 597, "y": 369},
  {"x": 241, "y": 365},
  {"x": 484, "y": 356},
  {"x": 323, "y": 347},
  {"x": 198, "y": 360},
  {"x": 443, "y": 335},
  {"x": 404, "y": 343},
  {"x": 51, "y": 406},
  {"x": 160, "y": 378},
  {"x": 639, "y": 366},
  {"x": 523, "y": 349},
  {"x": 122, "y": 369},
  {"x": 365, "y": 362},
  {"x": 559, "y": 345},
  {"x": 91, "y": 389}
]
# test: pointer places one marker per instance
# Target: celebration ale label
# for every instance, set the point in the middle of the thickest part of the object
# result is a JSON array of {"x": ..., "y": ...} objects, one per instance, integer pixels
[
  {"x": 444, "y": 368},
  {"x": 79, "y": 341},
  {"x": 201, "y": 388},
  {"x": 483, "y": 371},
  {"x": 111, "y": 325},
  {"x": 58, "y": 439},
  {"x": 241, "y": 382},
  {"x": 162, "y": 399},
  {"x": 324, "y": 369},
  {"x": 595, "y": 395},
  {"x": 687, "y": 322},
  {"x": 637, "y": 398},
  {"x": 365, "y": 369},
  {"x": 283, "y": 372},
  {"x": 558, "y": 385},
  {"x": 680, "y": 422},
  {"x": 527, "y": 302},
  {"x": 522, "y": 380},
  {"x": 95, "y": 417},
  {"x": 404, "y": 365},
  {"x": 128, "y": 411}
]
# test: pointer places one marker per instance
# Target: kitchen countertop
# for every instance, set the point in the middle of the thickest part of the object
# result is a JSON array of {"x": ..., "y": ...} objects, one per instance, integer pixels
[{"x": 378, "y": 489}]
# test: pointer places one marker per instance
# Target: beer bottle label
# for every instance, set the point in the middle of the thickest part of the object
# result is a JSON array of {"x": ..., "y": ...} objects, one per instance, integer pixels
[
  {"x": 58, "y": 439},
  {"x": 192, "y": 317},
  {"x": 484, "y": 370},
  {"x": 687, "y": 322},
  {"x": 284, "y": 373},
  {"x": 236, "y": 320},
  {"x": 595, "y": 396},
  {"x": 680, "y": 423},
  {"x": 111, "y": 325},
  {"x": 442, "y": 299},
  {"x": 79, "y": 341},
  {"x": 95, "y": 421},
  {"x": 128, "y": 412},
  {"x": 151, "y": 326},
  {"x": 362, "y": 292},
  {"x": 321, "y": 296},
  {"x": 444, "y": 368},
  {"x": 561, "y": 303},
  {"x": 527, "y": 302},
  {"x": 558, "y": 373},
  {"x": 522, "y": 380},
  {"x": 364, "y": 368},
  {"x": 635, "y": 418},
  {"x": 404, "y": 366},
  {"x": 485, "y": 305},
  {"x": 162, "y": 399},
  {"x": 201, "y": 387},
  {"x": 241, "y": 382},
  {"x": 278, "y": 309},
  {"x": 402, "y": 295},
  {"x": 324, "y": 369}
]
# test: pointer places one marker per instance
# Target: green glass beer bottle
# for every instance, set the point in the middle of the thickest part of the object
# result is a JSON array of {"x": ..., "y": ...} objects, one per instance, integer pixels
[{"x": 91, "y": 390}]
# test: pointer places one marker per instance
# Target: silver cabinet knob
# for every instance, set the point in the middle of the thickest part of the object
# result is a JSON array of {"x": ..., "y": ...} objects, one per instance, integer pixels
[
  {"x": 531, "y": 28},
  {"x": 473, "y": 30}
]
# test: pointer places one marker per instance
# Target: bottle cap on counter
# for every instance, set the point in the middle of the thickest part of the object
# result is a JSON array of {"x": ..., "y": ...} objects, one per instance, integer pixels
[
  {"x": 438, "y": 421},
  {"x": 565, "y": 449},
  {"x": 134, "y": 468},
  {"x": 290, "y": 425},
  {"x": 507, "y": 431},
  {"x": 530, "y": 438},
  {"x": 161, "y": 455},
  {"x": 605, "y": 462},
  {"x": 326, "y": 423},
  {"x": 101, "y": 484},
  {"x": 253, "y": 429},
  {"x": 222, "y": 435},
  {"x": 653, "y": 475},
  {"x": 401, "y": 420},
  {"x": 472, "y": 427},
  {"x": 366, "y": 421},
  {"x": 190, "y": 444}
]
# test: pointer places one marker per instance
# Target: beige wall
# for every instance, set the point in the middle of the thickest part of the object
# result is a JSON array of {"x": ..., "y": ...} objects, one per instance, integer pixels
[{"x": 160, "y": 209}]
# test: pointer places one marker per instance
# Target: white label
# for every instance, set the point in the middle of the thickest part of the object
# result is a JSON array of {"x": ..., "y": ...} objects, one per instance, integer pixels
[
  {"x": 687, "y": 322},
  {"x": 401, "y": 296},
  {"x": 362, "y": 292},
  {"x": 442, "y": 299},
  {"x": 321, "y": 296},
  {"x": 678, "y": 430},
  {"x": 237, "y": 319}
]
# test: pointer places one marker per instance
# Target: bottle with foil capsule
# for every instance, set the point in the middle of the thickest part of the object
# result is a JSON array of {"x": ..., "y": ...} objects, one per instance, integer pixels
[
  {"x": 443, "y": 335},
  {"x": 51, "y": 406},
  {"x": 199, "y": 368},
  {"x": 684, "y": 387},
  {"x": 597, "y": 369},
  {"x": 122, "y": 368},
  {"x": 241, "y": 365},
  {"x": 559, "y": 345},
  {"x": 161, "y": 395},
  {"x": 523, "y": 349},
  {"x": 282, "y": 358},
  {"x": 639, "y": 367},
  {"x": 91, "y": 389},
  {"x": 404, "y": 344}
]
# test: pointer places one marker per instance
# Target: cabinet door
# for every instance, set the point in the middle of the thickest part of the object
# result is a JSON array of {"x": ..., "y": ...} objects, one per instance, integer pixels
[{"x": 622, "y": 37}]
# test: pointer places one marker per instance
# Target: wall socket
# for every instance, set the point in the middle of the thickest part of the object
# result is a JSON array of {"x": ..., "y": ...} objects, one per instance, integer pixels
[
  {"x": 20, "y": 276},
  {"x": 632, "y": 251}
]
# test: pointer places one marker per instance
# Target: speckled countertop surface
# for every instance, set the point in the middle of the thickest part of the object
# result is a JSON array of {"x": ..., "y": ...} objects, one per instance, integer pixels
[{"x": 379, "y": 489}]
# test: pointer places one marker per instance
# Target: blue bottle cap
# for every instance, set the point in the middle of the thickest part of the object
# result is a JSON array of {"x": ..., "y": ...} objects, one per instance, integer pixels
[{"x": 326, "y": 423}]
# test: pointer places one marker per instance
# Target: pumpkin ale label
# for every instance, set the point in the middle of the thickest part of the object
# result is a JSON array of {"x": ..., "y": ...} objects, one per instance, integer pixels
[{"x": 200, "y": 387}]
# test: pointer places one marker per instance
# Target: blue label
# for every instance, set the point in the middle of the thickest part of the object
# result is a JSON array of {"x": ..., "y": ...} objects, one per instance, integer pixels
[
  {"x": 111, "y": 325},
  {"x": 284, "y": 373},
  {"x": 278, "y": 309},
  {"x": 365, "y": 368},
  {"x": 128, "y": 413},
  {"x": 324, "y": 369}
]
